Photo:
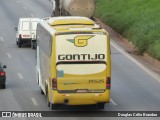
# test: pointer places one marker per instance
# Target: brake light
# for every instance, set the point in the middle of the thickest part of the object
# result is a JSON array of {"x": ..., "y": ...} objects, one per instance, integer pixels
[
  {"x": 108, "y": 83},
  {"x": 2, "y": 73},
  {"x": 54, "y": 83}
]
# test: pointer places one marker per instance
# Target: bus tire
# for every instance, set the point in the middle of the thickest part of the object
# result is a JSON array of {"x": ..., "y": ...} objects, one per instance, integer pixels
[
  {"x": 48, "y": 103},
  {"x": 3, "y": 86},
  {"x": 100, "y": 105},
  {"x": 53, "y": 106}
]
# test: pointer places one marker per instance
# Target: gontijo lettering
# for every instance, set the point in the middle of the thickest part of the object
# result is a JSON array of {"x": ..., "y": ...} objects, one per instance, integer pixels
[{"x": 81, "y": 57}]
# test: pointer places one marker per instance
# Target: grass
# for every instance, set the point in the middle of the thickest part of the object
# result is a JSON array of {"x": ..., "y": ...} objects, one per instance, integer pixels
[{"x": 136, "y": 20}]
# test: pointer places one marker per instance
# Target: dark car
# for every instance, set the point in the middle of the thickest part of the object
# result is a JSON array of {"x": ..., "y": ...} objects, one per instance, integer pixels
[{"x": 2, "y": 76}]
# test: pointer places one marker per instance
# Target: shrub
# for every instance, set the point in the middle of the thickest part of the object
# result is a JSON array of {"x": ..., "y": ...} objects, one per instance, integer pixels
[{"x": 137, "y": 20}]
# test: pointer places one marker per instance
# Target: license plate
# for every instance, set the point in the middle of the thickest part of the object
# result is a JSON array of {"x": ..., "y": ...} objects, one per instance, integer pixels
[{"x": 82, "y": 91}]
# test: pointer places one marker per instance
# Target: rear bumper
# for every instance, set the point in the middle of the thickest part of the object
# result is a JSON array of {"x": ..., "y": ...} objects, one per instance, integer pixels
[
  {"x": 80, "y": 98},
  {"x": 25, "y": 40}
]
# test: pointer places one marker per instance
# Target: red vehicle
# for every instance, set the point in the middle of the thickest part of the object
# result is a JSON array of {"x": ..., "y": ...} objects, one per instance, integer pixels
[{"x": 2, "y": 76}]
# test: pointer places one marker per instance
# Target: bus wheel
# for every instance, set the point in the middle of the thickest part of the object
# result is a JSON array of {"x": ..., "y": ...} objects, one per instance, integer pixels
[
  {"x": 100, "y": 105},
  {"x": 48, "y": 102},
  {"x": 3, "y": 86},
  {"x": 53, "y": 106}
]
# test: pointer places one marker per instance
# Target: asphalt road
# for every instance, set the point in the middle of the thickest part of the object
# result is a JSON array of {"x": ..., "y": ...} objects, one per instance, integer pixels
[{"x": 133, "y": 89}]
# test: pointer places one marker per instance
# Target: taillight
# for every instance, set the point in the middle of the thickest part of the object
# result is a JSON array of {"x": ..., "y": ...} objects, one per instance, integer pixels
[
  {"x": 2, "y": 73},
  {"x": 54, "y": 83},
  {"x": 108, "y": 83}
]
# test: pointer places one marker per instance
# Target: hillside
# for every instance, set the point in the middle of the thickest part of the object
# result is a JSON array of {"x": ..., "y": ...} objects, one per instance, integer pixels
[{"x": 136, "y": 20}]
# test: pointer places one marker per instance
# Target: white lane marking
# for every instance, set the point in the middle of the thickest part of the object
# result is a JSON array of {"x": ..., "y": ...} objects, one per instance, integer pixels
[
  {"x": 34, "y": 101},
  {"x": 114, "y": 103},
  {"x": 20, "y": 76},
  {"x": 25, "y": 8},
  {"x": 9, "y": 55},
  {"x": 1, "y": 38},
  {"x": 151, "y": 73},
  {"x": 32, "y": 15}
]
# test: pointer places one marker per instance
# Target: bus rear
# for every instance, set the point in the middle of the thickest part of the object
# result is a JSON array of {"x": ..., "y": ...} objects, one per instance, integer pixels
[{"x": 83, "y": 68}]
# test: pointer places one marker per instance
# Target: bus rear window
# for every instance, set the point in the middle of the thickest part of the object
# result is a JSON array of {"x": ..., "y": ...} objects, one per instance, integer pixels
[{"x": 81, "y": 69}]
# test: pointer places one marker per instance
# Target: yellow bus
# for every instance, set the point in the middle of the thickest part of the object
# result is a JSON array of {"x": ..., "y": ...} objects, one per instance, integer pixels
[{"x": 73, "y": 62}]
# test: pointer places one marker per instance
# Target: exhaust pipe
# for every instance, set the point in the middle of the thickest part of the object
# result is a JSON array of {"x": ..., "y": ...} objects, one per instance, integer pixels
[{"x": 66, "y": 101}]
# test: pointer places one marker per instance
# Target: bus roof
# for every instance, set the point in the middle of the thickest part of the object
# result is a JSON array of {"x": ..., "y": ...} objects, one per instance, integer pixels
[{"x": 55, "y": 21}]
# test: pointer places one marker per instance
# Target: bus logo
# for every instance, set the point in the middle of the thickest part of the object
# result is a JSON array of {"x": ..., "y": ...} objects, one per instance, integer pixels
[{"x": 81, "y": 41}]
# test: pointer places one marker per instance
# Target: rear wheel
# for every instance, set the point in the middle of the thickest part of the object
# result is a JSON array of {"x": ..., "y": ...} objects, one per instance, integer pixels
[
  {"x": 19, "y": 44},
  {"x": 48, "y": 103},
  {"x": 100, "y": 105},
  {"x": 32, "y": 45},
  {"x": 3, "y": 86},
  {"x": 53, "y": 106}
]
